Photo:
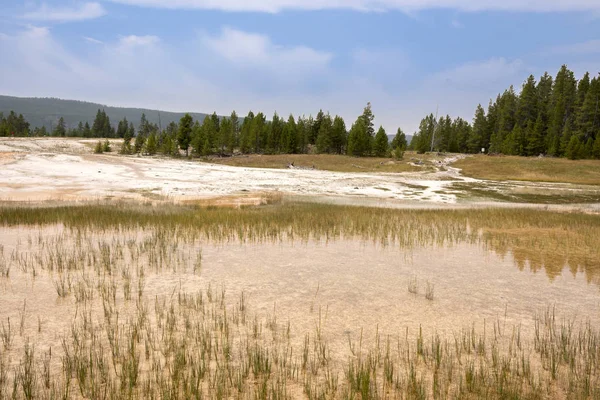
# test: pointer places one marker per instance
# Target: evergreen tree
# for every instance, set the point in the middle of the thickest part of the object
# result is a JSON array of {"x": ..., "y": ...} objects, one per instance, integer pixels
[
  {"x": 224, "y": 135},
  {"x": 303, "y": 127},
  {"x": 368, "y": 117},
  {"x": 315, "y": 128},
  {"x": 60, "y": 130},
  {"x": 245, "y": 139},
  {"x": 184, "y": 133},
  {"x": 573, "y": 149},
  {"x": 87, "y": 131},
  {"x": 325, "y": 136},
  {"x": 507, "y": 107},
  {"x": 357, "y": 138},
  {"x": 588, "y": 118},
  {"x": 138, "y": 145},
  {"x": 235, "y": 132},
  {"x": 527, "y": 108},
  {"x": 151, "y": 146},
  {"x": 562, "y": 104},
  {"x": 122, "y": 128},
  {"x": 535, "y": 138},
  {"x": 399, "y": 141},
  {"x": 424, "y": 136},
  {"x": 476, "y": 140},
  {"x": 274, "y": 135},
  {"x": 381, "y": 145},
  {"x": 289, "y": 137},
  {"x": 257, "y": 132},
  {"x": 338, "y": 135}
]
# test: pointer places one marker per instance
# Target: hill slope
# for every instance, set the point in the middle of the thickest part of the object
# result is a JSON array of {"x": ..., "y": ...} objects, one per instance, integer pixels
[{"x": 46, "y": 112}]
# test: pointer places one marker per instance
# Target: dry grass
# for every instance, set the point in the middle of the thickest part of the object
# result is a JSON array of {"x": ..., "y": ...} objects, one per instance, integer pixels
[
  {"x": 327, "y": 162},
  {"x": 585, "y": 172}
]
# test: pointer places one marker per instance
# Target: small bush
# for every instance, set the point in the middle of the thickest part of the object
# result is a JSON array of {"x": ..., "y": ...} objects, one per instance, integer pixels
[{"x": 99, "y": 149}]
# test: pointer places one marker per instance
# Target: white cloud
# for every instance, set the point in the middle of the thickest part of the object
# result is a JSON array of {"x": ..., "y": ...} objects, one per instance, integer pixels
[
  {"x": 256, "y": 50},
  {"x": 476, "y": 75},
  {"x": 83, "y": 12},
  {"x": 129, "y": 42},
  {"x": 92, "y": 40},
  {"x": 589, "y": 47},
  {"x": 273, "y": 6}
]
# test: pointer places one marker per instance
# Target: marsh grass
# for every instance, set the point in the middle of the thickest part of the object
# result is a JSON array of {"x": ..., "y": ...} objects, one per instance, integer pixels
[
  {"x": 538, "y": 239},
  {"x": 122, "y": 340}
]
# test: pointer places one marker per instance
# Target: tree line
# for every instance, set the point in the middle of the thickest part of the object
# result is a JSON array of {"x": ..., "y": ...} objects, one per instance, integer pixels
[
  {"x": 216, "y": 135},
  {"x": 557, "y": 117}
]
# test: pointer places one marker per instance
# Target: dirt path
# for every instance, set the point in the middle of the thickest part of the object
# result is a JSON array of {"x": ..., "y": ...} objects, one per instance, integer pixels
[{"x": 66, "y": 169}]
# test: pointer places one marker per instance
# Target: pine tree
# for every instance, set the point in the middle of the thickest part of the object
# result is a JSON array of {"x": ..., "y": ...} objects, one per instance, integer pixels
[
  {"x": 98, "y": 126},
  {"x": 527, "y": 108},
  {"x": 122, "y": 128},
  {"x": 399, "y": 141},
  {"x": 506, "y": 122},
  {"x": 87, "y": 132},
  {"x": 381, "y": 145},
  {"x": 184, "y": 134},
  {"x": 315, "y": 128},
  {"x": 224, "y": 135},
  {"x": 151, "y": 145},
  {"x": 129, "y": 134},
  {"x": 245, "y": 139},
  {"x": 274, "y": 134},
  {"x": 477, "y": 138},
  {"x": 235, "y": 131},
  {"x": 535, "y": 137},
  {"x": 339, "y": 135},
  {"x": 61, "y": 129},
  {"x": 138, "y": 145},
  {"x": 289, "y": 137},
  {"x": 358, "y": 139},
  {"x": 573, "y": 149},
  {"x": 424, "y": 136},
  {"x": 324, "y": 138},
  {"x": 562, "y": 103},
  {"x": 588, "y": 118}
]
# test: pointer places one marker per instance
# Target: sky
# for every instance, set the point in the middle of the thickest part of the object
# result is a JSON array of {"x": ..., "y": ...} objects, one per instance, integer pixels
[{"x": 408, "y": 58}]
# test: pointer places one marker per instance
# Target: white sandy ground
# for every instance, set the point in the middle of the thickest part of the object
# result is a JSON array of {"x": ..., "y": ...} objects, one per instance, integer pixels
[{"x": 67, "y": 169}]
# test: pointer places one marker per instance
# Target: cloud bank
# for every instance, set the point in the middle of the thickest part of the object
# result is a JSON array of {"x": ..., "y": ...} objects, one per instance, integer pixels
[
  {"x": 274, "y": 6},
  {"x": 83, "y": 12}
]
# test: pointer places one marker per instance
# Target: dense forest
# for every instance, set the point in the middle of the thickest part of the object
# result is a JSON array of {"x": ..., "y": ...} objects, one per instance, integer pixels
[{"x": 556, "y": 117}]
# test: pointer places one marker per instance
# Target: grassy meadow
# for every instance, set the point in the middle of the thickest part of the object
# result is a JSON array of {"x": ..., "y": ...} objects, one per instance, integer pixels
[{"x": 534, "y": 169}]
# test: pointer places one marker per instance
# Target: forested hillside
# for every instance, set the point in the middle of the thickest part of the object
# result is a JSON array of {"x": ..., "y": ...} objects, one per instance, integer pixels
[
  {"x": 553, "y": 116},
  {"x": 46, "y": 112}
]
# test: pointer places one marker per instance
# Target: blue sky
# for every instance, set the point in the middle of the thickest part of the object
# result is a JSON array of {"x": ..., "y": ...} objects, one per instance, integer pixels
[{"x": 406, "y": 57}]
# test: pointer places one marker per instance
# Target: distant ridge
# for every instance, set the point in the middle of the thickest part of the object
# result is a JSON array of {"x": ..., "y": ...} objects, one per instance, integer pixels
[{"x": 46, "y": 112}]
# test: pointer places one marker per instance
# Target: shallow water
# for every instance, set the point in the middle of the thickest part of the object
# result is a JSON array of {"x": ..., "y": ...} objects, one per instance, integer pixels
[{"x": 347, "y": 287}]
